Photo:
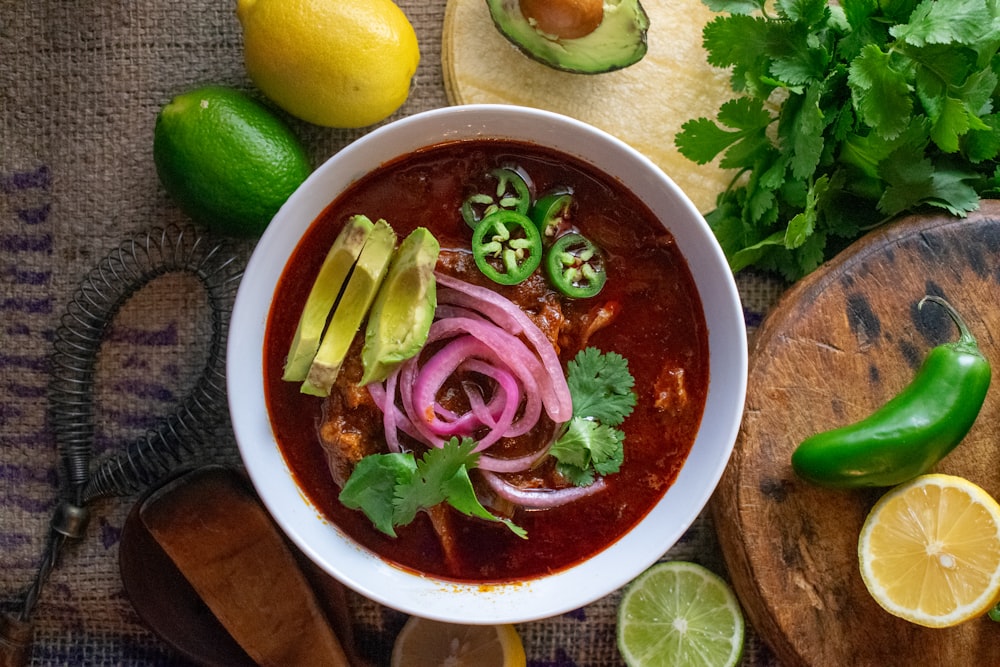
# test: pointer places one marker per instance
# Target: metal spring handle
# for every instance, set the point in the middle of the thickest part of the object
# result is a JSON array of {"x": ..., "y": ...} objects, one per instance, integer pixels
[{"x": 103, "y": 292}]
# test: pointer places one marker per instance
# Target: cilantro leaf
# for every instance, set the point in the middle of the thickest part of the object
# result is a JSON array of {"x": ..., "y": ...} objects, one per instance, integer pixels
[
  {"x": 881, "y": 93},
  {"x": 372, "y": 485},
  {"x": 587, "y": 448},
  {"x": 601, "y": 386},
  {"x": 461, "y": 495},
  {"x": 701, "y": 140},
  {"x": 945, "y": 22}
]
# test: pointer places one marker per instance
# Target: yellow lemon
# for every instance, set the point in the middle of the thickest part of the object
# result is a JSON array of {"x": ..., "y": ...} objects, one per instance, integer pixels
[
  {"x": 930, "y": 551},
  {"x": 337, "y": 63},
  {"x": 226, "y": 159},
  {"x": 429, "y": 643}
]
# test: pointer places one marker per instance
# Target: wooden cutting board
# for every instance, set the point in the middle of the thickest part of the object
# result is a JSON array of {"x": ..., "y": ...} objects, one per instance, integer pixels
[{"x": 836, "y": 347}]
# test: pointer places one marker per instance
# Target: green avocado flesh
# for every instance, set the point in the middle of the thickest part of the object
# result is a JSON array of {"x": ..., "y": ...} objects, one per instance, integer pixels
[
  {"x": 329, "y": 283},
  {"x": 351, "y": 308},
  {"x": 619, "y": 41},
  {"x": 402, "y": 313}
]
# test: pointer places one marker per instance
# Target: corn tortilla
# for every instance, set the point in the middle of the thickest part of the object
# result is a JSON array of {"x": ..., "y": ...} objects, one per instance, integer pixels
[{"x": 643, "y": 105}]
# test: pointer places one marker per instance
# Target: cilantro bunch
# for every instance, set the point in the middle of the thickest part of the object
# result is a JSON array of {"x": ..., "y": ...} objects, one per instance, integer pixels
[{"x": 849, "y": 113}]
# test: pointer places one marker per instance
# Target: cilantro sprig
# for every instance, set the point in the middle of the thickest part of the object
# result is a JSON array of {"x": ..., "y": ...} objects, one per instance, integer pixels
[
  {"x": 601, "y": 388},
  {"x": 849, "y": 114},
  {"x": 392, "y": 488}
]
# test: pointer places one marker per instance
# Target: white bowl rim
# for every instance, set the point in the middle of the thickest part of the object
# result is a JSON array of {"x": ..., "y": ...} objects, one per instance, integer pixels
[{"x": 473, "y": 603}]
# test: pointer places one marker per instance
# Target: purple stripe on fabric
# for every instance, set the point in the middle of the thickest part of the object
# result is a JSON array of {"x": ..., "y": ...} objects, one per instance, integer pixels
[
  {"x": 150, "y": 338},
  {"x": 22, "y": 474},
  {"x": 18, "y": 276},
  {"x": 25, "y": 503},
  {"x": 30, "y": 306},
  {"x": 21, "y": 390},
  {"x": 31, "y": 363},
  {"x": 141, "y": 389},
  {"x": 35, "y": 215},
  {"x": 14, "y": 540},
  {"x": 26, "y": 243},
  {"x": 39, "y": 179}
]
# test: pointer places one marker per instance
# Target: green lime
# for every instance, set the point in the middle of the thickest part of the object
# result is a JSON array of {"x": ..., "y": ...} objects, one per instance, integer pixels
[
  {"x": 227, "y": 160},
  {"x": 679, "y": 614}
]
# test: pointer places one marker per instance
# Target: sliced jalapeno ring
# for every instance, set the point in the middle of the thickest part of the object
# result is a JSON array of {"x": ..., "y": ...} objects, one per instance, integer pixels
[
  {"x": 550, "y": 214},
  {"x": 507, "y": 247},
  {"x": 512, "y": 193},
  {"x": 476, "y": 207},
  {"x": 575, "y": 266}
]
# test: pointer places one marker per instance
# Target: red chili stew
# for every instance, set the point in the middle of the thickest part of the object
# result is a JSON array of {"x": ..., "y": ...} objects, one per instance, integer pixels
[{"x": 649, "y": 312}]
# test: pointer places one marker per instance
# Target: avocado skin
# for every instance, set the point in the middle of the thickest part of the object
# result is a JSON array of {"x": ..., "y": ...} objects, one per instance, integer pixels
[{"x": 618, "y": 42}]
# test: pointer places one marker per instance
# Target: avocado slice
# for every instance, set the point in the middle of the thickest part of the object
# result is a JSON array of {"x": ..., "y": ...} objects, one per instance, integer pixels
[
  {"x": 619, "y": 40},
  {"x": 351, "y": 308},
  {"x": 402, "y": 313},
  {"x": 322, "y": 297}
]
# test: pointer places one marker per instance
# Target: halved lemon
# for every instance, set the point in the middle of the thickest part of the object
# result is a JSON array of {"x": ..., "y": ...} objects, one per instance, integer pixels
[
  {"x": 429, "y": 643},
  {"x": 929, "y": 551}
]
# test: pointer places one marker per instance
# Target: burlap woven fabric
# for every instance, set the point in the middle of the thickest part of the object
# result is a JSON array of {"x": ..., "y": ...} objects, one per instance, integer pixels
[{"x": 80, "y": 86}]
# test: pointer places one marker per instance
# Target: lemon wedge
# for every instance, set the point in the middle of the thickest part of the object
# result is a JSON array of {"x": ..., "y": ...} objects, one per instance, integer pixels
[{"x": 426, "y": 642}]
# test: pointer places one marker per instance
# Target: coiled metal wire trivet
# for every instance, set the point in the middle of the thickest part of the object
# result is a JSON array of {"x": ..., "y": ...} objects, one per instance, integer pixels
[{"x": 126, "y": 270}]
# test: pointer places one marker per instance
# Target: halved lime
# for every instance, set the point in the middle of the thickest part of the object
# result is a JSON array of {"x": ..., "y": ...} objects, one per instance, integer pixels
[{"x": 679, "y": 614}]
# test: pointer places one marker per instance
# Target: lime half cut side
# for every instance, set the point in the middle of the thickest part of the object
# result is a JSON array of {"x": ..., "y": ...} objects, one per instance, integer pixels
[{"x": 679, "y": 614}]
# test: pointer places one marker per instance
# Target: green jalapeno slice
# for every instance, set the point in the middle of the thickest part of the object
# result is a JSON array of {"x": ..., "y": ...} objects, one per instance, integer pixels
[
  {"x": 913, "y": 431},
  {"x": 507, "y": 247},
  {"x": 551, "y": 214},
  {"x": 513, "y": 193},
  {"x": 575, "y": 266}
]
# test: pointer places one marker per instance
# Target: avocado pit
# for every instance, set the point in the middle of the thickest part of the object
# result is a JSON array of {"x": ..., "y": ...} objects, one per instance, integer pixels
[{"x": 564, "y": 19}]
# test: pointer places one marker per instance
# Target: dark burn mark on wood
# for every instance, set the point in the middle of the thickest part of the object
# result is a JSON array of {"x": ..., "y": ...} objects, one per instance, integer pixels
[
  {"x": 910, "y": 353},
  {"x": 874, "y": 375},
  {"x": 864, "y": 323},
  {"x": 774, "y": 489},
  {"x": 981, "y": 257},
  {"x": 932, "y": 321}
]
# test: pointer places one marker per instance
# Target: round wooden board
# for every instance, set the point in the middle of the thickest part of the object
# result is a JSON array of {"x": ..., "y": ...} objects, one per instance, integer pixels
[
  {"x": 837, "y": 346},
  {"x": 643, "y": 105}
]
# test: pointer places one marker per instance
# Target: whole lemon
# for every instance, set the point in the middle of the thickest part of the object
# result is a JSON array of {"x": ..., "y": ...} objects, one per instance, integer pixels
[
  {"x": 228, "y": 161},
  {"x": 337, "y": 63}
]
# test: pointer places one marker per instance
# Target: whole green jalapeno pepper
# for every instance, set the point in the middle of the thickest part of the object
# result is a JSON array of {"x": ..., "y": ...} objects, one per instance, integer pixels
[{"x": 913, "y": 431}]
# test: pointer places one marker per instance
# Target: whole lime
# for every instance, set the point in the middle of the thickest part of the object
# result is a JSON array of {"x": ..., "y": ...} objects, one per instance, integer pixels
[
  {"x": 336, "y": 63},
  {"x": 228, "y": 161}
]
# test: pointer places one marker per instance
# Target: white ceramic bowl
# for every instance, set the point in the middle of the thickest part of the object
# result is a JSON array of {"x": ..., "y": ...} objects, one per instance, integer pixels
[{"x": 586, "y": 581}]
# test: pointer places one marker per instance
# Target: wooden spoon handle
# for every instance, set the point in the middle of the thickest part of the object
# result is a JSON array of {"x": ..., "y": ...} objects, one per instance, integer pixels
[{"x": 15, "y": 641}]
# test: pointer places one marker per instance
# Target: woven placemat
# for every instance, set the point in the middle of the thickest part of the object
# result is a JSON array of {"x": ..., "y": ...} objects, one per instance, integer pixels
[{"x": 80, "y": 87}]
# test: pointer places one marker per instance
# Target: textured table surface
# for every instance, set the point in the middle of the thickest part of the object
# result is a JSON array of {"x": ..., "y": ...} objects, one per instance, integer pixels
[{"x": 80, "y": 86}]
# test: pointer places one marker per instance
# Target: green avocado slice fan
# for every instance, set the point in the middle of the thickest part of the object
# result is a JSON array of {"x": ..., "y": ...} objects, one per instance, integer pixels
[{"x": 121, "y": 274}]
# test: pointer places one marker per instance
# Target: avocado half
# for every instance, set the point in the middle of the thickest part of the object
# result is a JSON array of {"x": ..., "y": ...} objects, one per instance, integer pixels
[{"x": 619, "y": 41}]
